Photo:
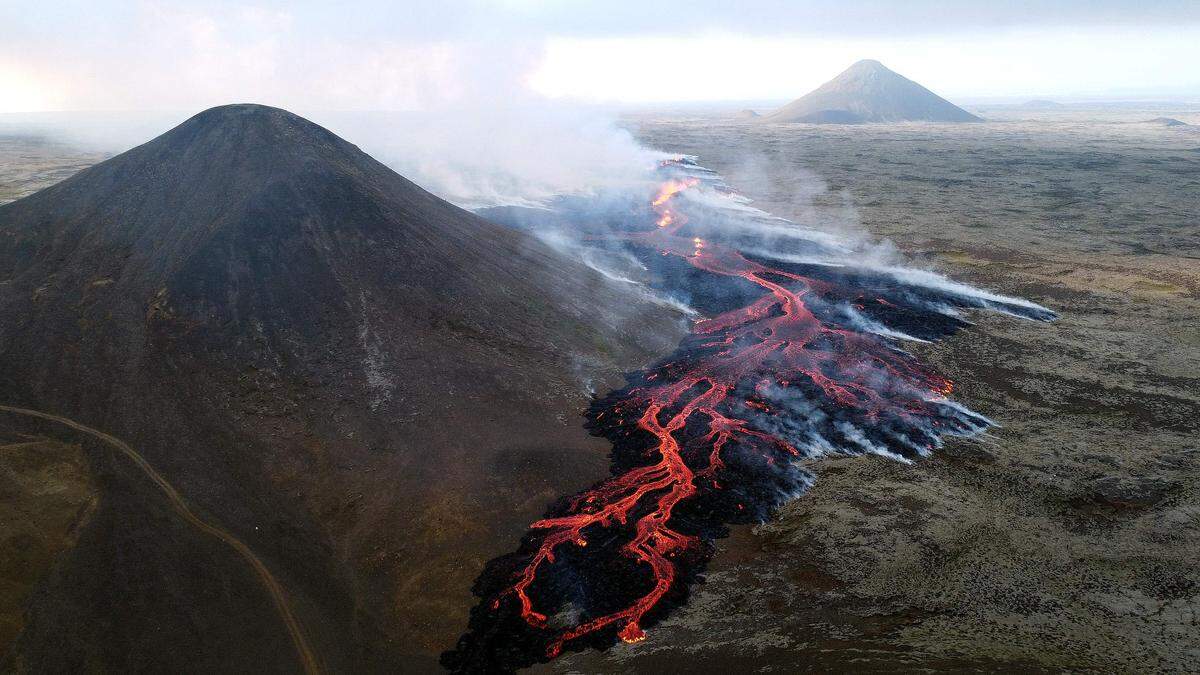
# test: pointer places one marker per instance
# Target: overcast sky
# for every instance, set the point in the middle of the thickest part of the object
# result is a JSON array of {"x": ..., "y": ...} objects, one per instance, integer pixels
[{"x": 387, "y": 54}]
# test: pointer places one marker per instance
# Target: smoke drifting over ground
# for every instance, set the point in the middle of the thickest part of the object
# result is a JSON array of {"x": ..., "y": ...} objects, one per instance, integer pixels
[
  {"x": 522, "y": 153},
  {"x": 516, "y": 155}
]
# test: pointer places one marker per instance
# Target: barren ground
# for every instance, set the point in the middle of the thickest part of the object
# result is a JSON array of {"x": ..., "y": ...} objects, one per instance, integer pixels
[
  {"x": 46, "y": 495},
  {"x": 28, "y": 164}
]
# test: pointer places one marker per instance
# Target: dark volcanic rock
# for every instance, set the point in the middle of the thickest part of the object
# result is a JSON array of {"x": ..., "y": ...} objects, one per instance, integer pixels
[
  {"x": 369, "y": 386},
  {"x": 868, "y": 92},
  {"x": 1123, "y": 492}
]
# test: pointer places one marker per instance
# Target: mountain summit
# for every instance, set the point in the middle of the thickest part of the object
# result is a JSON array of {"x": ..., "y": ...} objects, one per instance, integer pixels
[{"x": 869, "y": 92}]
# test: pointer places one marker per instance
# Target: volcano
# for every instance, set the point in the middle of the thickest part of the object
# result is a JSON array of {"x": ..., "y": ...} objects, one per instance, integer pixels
[
  {"x": 869, "y": 92},
  {"x": 343, "y": 371}
]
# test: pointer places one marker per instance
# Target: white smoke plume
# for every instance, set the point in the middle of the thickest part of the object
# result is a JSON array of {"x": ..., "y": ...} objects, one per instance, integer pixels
[{"x": 521, "y": 154}]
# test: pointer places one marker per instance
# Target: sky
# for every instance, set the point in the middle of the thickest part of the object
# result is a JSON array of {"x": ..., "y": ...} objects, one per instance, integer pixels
[{"x": 399, "y": 55}]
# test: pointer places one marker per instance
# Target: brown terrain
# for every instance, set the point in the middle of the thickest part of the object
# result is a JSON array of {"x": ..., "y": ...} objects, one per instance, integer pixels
[
  {"x": 28, "y": 164},
  {"x": 48, "y": 495}
]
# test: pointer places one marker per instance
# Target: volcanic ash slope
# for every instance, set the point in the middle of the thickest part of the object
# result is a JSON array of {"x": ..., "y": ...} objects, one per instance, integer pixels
[{"x": 372, "y": 388}]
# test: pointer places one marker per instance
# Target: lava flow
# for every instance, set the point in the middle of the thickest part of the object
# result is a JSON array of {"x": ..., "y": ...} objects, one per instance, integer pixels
[{"x": 715, "y": 434}]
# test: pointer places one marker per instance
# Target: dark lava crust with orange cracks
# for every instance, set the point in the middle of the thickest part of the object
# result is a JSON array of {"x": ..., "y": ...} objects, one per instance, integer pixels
[{"x": 797, "y": 359}]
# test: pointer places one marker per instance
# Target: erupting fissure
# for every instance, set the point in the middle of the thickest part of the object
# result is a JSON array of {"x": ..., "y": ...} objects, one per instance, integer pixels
[
  {"x": 713, "y": 435},
  {"x": 778, "y": 327}
]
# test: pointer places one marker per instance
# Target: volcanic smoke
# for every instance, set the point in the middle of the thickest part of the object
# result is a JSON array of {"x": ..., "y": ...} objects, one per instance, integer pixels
[{"x": 796, "y": 360}]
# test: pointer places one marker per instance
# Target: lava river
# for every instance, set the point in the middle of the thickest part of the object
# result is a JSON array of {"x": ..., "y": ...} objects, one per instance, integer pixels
[{"x": 800, "y": 356}]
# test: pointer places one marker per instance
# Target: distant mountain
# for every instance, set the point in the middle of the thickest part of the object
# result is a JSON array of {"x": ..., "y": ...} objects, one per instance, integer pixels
[
  {"x": 372, "y": 388},
  {"x": 869, "y": 92},
  {"x": 747, "y": 114},
  {"x": 1168, "y": 122}
]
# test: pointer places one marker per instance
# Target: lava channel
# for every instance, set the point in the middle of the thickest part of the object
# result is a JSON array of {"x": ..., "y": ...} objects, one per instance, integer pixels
[{"x": 716, "y": 434}]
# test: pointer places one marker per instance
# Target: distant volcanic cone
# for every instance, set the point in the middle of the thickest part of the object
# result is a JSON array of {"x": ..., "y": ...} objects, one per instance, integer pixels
[
  {"x": 868, "y": 92},
  {"x": 361, "y": 381}
]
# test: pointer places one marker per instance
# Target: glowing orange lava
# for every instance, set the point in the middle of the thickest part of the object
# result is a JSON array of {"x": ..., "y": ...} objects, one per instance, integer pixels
[
  {"x": 800, "y": 356},
  {"x": 776, "y": 339}
]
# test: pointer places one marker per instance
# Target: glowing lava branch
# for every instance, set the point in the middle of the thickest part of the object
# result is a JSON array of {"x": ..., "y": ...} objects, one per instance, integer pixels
[
  {"x": 771, "y": 343},
  {"x": 662, "y": 202}
]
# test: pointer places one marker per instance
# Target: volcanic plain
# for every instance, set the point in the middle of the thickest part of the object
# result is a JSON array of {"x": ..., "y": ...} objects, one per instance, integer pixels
[{"x": 1064, "y": 539}]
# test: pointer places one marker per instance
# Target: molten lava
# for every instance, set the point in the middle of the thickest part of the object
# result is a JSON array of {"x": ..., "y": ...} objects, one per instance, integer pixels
[
  {"x": 713, "y": 435},
  {"x": 778, "y": 330}
]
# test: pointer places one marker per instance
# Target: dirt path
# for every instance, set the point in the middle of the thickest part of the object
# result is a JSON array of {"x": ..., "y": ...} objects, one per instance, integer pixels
[{"x": 303, "y": 651}]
